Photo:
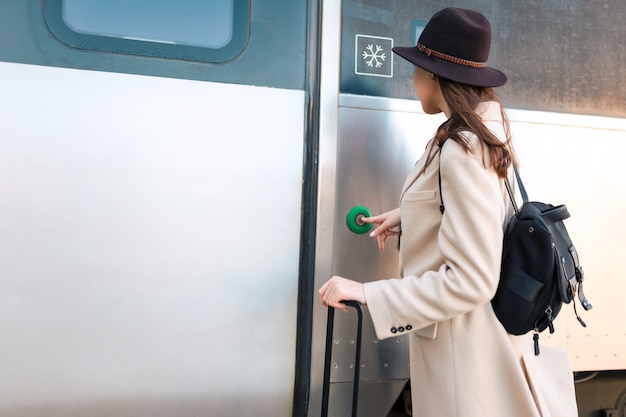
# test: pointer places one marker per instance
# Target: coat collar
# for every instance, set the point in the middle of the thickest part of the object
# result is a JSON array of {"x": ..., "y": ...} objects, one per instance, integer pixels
[{"x": 489, "y": 112}]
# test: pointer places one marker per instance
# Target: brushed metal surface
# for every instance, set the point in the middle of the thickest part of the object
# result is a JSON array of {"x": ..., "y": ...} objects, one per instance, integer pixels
[{"x": 375, "y": 149}]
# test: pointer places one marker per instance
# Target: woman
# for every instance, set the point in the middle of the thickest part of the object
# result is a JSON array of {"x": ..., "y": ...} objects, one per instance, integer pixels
[{"x": 463, "y": 362}]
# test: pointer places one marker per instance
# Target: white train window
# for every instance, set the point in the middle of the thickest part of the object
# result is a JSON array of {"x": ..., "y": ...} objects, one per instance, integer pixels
[
  {"x": 208, "y": 24},
  {"x": 209, "y": 31}
]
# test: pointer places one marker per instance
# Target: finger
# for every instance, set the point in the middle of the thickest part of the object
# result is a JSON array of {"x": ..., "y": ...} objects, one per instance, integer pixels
[
  {"x": 381, "y": 243},
  {"x": 337, "y": 303},
  {"x": 372, "y": 219},
  {"x": 328, "y": 292},
  {"x": 378, "y": 231},
  {"x": 342, "y": 307},
  {"x": 323, "y": 293},
  {"x": 333, "y": 295},
  {"x": 322, "y": 301}
]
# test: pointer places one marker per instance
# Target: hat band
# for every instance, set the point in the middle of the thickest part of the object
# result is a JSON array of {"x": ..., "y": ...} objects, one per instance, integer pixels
[{"x": 450, "y": 58}]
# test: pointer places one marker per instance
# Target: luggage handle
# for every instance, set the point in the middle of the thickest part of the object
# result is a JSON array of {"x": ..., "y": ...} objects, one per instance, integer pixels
[{"x": 328, "y": 353}]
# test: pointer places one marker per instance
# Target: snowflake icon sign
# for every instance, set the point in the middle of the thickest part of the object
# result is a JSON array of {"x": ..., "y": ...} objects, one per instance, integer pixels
[{"x": 372, "y": 56}]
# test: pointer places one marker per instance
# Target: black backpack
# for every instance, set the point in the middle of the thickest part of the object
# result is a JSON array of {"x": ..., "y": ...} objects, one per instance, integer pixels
[{"x": 540, "y": 268}]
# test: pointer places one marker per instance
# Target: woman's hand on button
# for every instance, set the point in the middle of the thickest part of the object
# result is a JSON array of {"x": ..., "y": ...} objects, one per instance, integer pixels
[
  {"x": 387, "y": 226},
  {"x": 338, "y": 289}
]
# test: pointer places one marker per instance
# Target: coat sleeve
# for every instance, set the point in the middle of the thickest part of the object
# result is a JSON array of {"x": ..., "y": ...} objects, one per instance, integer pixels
[{"x": 470, "y": 245}]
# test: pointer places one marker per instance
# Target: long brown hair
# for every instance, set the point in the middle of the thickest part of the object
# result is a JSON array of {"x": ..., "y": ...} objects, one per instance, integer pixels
[{"x": 462, "y": 100}]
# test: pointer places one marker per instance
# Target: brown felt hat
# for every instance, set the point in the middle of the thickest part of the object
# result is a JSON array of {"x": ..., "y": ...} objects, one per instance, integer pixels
[{"x": 455, "y": 45}]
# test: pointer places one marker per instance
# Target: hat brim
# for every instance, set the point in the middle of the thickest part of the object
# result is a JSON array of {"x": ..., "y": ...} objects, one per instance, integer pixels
[{"x": 479, "y": 77}]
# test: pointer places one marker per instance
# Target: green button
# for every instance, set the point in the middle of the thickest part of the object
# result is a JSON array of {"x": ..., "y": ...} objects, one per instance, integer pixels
[{"x": 354, "y": 222}]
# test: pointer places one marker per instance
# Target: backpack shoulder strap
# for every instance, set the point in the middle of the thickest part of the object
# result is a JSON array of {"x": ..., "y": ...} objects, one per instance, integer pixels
[
  {"x": 442, "y": 208},
  {"x": 520, "y": 184}
]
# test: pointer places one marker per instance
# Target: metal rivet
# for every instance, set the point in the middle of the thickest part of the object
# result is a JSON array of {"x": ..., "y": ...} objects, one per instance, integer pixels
[{"x": 531, "y": 229}]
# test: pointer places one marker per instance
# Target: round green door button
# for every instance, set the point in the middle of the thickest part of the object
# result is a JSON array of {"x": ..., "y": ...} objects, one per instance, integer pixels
[{"x": 355, "y": 222}]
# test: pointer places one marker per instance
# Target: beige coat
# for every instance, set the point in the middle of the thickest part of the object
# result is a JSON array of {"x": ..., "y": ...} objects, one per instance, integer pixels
[{"x": 463, "y": 362}]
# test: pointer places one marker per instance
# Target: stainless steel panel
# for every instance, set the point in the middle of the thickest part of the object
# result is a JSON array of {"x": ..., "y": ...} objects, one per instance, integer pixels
[
  {"x": 380, "y": 359},
  {"x": 378, "y": 141},
  {"x": 375, "y": 398},
  {"x": 377, "y": 145},
  {"x": 370, "y": 172}
]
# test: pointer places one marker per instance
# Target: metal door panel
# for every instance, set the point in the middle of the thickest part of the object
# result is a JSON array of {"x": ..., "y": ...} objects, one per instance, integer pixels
[{"x": 378, "y": 141}]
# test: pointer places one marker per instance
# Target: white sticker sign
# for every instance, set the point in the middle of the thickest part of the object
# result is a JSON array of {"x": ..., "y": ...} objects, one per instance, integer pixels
[{"x": 373, "y": 56}]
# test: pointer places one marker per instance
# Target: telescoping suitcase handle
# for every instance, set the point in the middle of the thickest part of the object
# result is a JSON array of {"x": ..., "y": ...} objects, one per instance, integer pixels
[{"x": 328, "y": 354}]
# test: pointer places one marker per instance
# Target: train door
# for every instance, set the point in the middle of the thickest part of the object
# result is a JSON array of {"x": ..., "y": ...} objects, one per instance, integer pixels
[
  {"x": 367, "y": 145},
  {"x": 151, "y": 168}
]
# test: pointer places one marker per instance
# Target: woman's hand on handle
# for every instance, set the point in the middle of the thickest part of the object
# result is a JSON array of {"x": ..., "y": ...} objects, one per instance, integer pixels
[
  {"x": 338, "y": 289},
  {"x": 388, "y": 224}
]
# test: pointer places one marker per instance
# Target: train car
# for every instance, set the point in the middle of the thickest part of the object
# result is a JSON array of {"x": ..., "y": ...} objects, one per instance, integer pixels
[{"x": 175, "y": 179}]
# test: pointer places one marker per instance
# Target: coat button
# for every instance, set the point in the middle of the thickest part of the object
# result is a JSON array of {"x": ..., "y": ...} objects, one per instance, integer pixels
[
  {"x": 400, "y": 329},
  {"x": 409, "y": 327},
  {"x": 394, "y": 330}
]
